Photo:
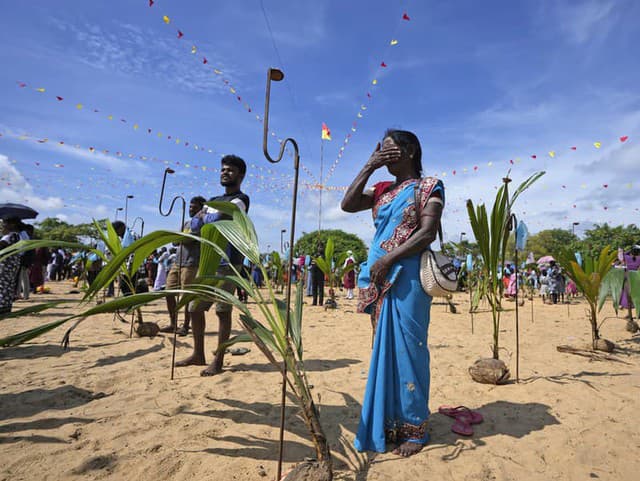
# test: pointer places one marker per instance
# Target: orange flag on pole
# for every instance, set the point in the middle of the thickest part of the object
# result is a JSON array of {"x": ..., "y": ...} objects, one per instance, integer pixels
[{"x": 326, "y": 133}]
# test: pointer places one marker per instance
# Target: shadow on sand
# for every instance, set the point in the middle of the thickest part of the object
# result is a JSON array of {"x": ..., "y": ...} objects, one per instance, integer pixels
[
  {"x": 311, "y": 365},
  {"x": 33, "y": 351},
  {"x": 341, "y": 422},
  {"x": 34, "y": 401}
]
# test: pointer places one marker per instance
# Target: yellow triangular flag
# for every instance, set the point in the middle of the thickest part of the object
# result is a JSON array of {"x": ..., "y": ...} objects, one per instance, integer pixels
[
  {"x": 79, "y": 106},
  {"x": 110, "y": 117},
  {"x": 166, "y": 19},
  {"x": 135, "y": 126},
  {"x": 375, "y": 82},
  {"x": 217, "y": 72},
  {"x": 40, "y": 89},
  {"x": 394, "y": 42},
  {"x": 552, "y": 154},
  {"x": 597, "y": 145}
]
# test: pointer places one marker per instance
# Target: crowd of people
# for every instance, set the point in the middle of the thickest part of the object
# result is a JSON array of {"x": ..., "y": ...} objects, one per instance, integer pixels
[{"x": 548, "y": 280}]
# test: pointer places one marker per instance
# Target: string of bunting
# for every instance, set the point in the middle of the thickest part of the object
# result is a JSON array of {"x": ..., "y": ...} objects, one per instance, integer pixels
[
  {"x": 80, "y": 106},
  {"x": 374, "y": 83},
  {"x": 229, "y": 86}
]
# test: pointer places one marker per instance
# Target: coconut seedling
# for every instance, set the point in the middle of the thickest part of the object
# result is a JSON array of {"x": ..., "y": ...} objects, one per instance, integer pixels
[
  {"x": 492, "y": 233},
  {"x": 589, "y": 280}
]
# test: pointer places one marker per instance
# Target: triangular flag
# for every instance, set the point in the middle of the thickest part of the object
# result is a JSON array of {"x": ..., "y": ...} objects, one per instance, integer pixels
[
  {"x": 59, "y": 98},
  {"x": 624, "y": 138},
  {"x": 394, "y": 42},
  {"x": 79, "y": 106},
  {"x": 597, "y": 145},
  {"x": 405, "y": 16},
  {"x": 166, "y": 19},
  {"x": 383, "y": 64},
  {"x": 193, "y": 49},
  {"x": 180, "y": 34},
  {"x": 40, "y": 89},
  {"x": 204, "y": 60},
  {"x": 374, "y": 82},
  {"x": 552, "y": 154}
]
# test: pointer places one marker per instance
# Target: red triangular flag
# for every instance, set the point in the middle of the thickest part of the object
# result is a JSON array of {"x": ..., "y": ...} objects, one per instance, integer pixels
[
  {"x": 22, "y": 85},
  {"x": 405, "y": 16},
  {"x": 204, "y": 60},
  {"x": 151, "y": 3},
  {"x": 180, "y": 34},
  {"x": 59, "y": 98},
  {"x": 573, "y": 148},
  {"x": 624, "y": 138},
  {"x": 534, "y": 156},
  {"x": 511, "y": 161},
  {"x": 383, "y": 64},
  {"x": 368, "y": 95}
]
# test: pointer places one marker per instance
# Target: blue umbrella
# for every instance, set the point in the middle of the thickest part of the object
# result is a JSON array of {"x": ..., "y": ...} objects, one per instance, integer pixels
[{"x": 10, "y": 210}]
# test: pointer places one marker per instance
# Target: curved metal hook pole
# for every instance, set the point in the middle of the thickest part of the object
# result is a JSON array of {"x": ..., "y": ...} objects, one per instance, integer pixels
[
  {"x": 141, "y": 225},
  {"x": 277, "y": 75},
  {"x": 168, "y": 170}
]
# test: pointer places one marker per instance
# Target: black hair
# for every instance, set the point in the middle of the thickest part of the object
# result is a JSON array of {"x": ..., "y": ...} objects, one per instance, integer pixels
[
  {"x": 236, "y": 162},
  {"x": 119, "y": 226},
  {"x": 198, "y": 199},
  {"x": 405, "y": 139}
]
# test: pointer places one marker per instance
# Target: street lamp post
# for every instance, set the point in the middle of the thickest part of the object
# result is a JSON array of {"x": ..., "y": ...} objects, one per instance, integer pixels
[
  {"x": 118, "y": 209},
  {"x": 573, "y": 227},
  {"x": 126, "y": 207}
]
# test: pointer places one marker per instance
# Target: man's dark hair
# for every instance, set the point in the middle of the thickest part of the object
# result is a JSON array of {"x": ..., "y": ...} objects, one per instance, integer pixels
[
  {"x": 235, "y": 161},
  {"x": 405, "y": 139},
  {"x": 119, "y": 227},
  {"x": 198, "y": 199}
]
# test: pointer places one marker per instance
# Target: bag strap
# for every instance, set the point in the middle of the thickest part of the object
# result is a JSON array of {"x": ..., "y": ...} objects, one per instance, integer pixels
[{"x": 419, "y": 210}]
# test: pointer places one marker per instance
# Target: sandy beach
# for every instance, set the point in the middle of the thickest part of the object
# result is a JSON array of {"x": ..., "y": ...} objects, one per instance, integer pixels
[{"x": 107, "y": 409}]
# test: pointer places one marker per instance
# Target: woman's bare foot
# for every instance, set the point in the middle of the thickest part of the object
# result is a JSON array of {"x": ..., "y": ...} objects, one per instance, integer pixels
[
  {"x": 407, "y": 449},
  {"x": 191, "y": 361}
]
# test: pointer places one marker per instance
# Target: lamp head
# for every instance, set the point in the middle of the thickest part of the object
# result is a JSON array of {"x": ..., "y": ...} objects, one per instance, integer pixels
[
  {"x": 169, "y": 170},
  {"x": 129, "y": 196},
  {"x": 120, "y": 208},
  {"x": 275, "y": 74}
]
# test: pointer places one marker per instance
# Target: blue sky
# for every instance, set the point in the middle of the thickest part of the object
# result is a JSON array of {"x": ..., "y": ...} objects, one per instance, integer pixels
[{"x": 485, "y": 85}]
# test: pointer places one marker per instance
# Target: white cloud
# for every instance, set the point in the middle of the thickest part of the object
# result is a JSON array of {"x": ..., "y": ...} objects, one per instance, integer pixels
[
  {"x": 15, "y": 188},
  {"x": 583, "y": 21}
]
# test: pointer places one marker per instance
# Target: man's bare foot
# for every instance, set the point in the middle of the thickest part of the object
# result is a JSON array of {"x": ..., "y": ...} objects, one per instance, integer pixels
[
  {"x": 211, "y": 370},
  {"x": 191, "y": 361},
  {"x": 407, "y": 449}
]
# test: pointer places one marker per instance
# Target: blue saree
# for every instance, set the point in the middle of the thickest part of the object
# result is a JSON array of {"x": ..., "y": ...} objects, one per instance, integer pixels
[{"x": 395, "y": 406}]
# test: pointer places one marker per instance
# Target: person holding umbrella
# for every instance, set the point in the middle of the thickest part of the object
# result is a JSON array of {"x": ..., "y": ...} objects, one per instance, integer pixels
[{"x": 9, "y": 267}]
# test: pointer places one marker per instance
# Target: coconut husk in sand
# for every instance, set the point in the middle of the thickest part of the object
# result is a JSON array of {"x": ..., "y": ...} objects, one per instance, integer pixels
[
  {"x": 489, "y": 371},
  {"x": 147, "y": 329}
]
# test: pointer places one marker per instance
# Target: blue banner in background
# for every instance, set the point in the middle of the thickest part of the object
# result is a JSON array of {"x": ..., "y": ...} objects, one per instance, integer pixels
[
  {"x": 469, "y": 262},
  {"x": 579, "y": 258}
]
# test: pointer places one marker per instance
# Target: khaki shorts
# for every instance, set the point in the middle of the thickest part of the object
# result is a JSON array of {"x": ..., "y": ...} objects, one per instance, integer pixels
[
  {"x": 180, "y": 276},
  {"x": 200, "y": 306}
]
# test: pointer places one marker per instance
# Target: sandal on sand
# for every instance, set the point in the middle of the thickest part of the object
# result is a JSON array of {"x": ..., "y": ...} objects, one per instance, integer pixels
[
  {"x": 473, "y": 417},
  {"x": 239, "y": 351},
  {"x": 462, "y": 426}
]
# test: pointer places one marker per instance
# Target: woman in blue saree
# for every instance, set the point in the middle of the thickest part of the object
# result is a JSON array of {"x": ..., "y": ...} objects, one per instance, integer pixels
[{"x": 395, "y": 407}]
